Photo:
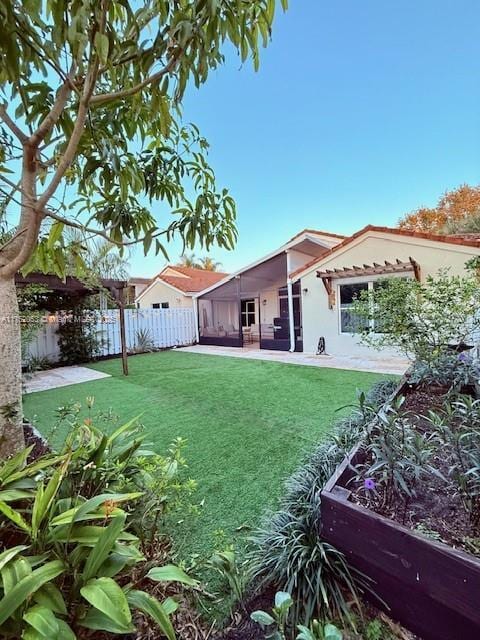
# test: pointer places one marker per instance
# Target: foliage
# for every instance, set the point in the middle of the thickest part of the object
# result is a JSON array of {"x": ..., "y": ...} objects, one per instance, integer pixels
[
  {"x": 73, "y": 554},
  {"x": 319, "y": 631},
  {"x": 144, "y": 341},
  {"x": 449, "y": 369},
  {"x": 458, "y": 427},
  {"x": 277, "y": 617},
  {"x": 207, "y": 263},
  {"x": 225, "y": 563},
  {"x": 122, "y": 463},
  {"x": 83, "y": 83},
  {"x": 38, "y": 363},
  {"x": 421, "y": 319},
  {"x": 289, "y": 551},
  {"x": 457, "y": 211},
  {"x": 77, "y": 339},
  {"x": 397, "y": 457},
  {"x": 31, "y": 316}
]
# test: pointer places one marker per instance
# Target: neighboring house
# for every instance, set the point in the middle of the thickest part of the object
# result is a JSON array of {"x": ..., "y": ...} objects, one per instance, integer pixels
[
  {"x": 174, "y": 287},
  {"x": 301, "y": 293},
  {"x": 134, "y": 289}
]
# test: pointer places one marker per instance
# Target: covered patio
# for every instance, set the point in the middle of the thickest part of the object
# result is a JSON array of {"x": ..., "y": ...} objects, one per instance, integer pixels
[{"x": 259, "y": 307}]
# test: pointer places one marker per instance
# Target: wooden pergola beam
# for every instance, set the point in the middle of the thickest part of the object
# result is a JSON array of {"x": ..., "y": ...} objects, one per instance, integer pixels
[{"x": 374, "y": 269}]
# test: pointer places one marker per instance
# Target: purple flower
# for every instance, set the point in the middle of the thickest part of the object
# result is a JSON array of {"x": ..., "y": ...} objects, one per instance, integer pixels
[{"x": 369, "y": 484}]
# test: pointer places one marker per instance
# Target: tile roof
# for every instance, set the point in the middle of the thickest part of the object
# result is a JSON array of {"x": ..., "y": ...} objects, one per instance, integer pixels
[
  {"x": 468, "y": 240},
  {"x": 192, "y": 280}
]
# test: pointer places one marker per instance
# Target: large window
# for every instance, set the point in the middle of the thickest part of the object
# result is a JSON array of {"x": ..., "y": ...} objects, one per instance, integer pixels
[
  {"x": 248, "y": 313},
  {"x": 349, "y": 322}
]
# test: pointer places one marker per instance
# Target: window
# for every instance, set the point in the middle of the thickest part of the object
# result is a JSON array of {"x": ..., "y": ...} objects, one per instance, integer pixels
[
  {"x": 349, "y": 322},
  {"x": 161, "y": 305},
  {"x": 248, "y": 313}
]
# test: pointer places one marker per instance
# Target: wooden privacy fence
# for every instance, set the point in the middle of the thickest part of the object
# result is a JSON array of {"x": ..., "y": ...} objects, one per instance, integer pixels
[{"x": 154, "y": 328}]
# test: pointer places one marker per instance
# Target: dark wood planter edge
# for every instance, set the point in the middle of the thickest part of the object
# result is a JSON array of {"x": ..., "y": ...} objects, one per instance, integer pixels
[{"x": 429, "y": 587}]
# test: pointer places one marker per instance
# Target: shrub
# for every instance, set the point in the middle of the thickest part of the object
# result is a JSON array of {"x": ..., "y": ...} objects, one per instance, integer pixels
[
  {"x": 420, "y": 319},
  {"x": 77, "y": 340},
  {"x": 69, "y": 550},
  {"x": 450, "y": 370}
]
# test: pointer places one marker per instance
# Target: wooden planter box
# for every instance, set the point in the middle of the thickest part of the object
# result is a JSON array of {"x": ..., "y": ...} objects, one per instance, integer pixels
[{"x": 430, "y": 588}]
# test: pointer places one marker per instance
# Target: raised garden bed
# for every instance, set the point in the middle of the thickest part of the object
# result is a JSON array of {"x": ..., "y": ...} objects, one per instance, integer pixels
[{"x": 428, "y": 586}]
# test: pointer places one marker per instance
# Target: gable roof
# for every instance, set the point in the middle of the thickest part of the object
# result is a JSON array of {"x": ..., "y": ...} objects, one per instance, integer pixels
[
  {"x": 189, "y": 280},
  {"x": 466, "y": 240},
  {"x": 315, "y": 232}
]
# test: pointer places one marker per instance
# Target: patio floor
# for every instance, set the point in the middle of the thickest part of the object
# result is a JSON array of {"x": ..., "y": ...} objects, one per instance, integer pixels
[
  {"x": 393, "y": 365},
  {"x": 61, "y": 377}
]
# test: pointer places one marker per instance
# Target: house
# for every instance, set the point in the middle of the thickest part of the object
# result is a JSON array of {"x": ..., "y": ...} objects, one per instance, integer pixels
[
  {"x": 174, "y": 287},
  {"x": 300, "y": 295},
  {"x": 134, "y": 288}
]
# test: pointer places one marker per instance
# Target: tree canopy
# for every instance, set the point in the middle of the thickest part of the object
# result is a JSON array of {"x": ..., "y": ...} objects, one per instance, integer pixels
[
  {"x": 457, "y": 211},
  {"x": 90, "y": 106}
]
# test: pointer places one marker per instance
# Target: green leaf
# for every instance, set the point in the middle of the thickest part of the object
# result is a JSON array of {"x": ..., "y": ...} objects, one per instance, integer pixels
[
  {"x": 51, "y": 597},
  {"x": 331, "y": 632},
  {"x": 65, "y": 632},
  {"x": 98, "y": 621},
  {"x": 283, "y": 600},
  {"x": 55, "y": 233},
  {"x": 153, "y": 608},
  {"x": 14, "y": 516},
  {"x": 262, "y": 617},
  {"x": 13, "y": 572},
  {"x": 87, "y": 509},
  {"x": 105, "y": 595},
  {"x": 105, "y": 544},
  {"x": 9, "y": 554},
  {"x": 13, "y": 464},
  {"x": 27, "y": 586},
  {"x": 101, "y": 47},
  {"x": 171, "y": 573},
  {"x": 44, "y": 498},
  {"x": 42, "y": 620}
]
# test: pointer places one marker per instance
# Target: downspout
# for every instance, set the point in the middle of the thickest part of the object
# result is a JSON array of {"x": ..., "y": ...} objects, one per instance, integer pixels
[
  {"x": 196, "y": 319},
  {"x": 291, "y": 320}
]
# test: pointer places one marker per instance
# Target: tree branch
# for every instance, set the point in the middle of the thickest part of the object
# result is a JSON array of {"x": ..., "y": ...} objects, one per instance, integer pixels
[
  {"x": 11, "y": 125},
  {"x": 51, "y": 119},
  {"x": 103, "y": 98}
]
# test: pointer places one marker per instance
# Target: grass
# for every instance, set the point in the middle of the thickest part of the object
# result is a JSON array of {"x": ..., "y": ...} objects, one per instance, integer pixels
[{"x": 247, "y": 422}]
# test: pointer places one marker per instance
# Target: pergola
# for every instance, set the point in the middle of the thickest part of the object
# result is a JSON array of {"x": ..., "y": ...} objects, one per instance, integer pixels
[
  {"x": 399, "y": 266},
  {"x": 76, "y": 289}
]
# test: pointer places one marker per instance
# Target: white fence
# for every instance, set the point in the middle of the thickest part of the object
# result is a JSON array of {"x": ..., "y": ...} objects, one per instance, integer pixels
[{"x": 160, "y": 328}]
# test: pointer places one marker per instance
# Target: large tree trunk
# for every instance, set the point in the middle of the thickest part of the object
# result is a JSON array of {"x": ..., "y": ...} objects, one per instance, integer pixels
[{"x": 11, "y": 417}]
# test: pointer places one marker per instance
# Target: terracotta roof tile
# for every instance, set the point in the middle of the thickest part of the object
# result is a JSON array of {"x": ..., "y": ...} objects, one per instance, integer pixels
[
  {"x": 196, "y": 280},
  {"x": 448, "y": 239}
]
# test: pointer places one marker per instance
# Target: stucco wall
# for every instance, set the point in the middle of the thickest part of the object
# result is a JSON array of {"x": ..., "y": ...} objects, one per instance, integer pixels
[
  {"x": 160, "y": 292},
  {"x": 318, "y": 320}
]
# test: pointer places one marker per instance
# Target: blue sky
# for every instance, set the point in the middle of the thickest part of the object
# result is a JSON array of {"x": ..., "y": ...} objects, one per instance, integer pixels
[{"x": 362, "y": 110}]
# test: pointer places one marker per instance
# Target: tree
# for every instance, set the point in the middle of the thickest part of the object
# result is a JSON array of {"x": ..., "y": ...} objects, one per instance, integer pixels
[
  {"x": 189, "y": 260},
  {"x": 457, "y": 211},
  {"x": 91, "y": 134},
  {"x": 209, "y": 264}
]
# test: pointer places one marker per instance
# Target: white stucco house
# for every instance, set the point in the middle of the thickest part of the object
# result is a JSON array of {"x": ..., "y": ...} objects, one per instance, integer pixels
[
  {"x": 175, "y": 286},
  {"x": 301, "y": 293}
]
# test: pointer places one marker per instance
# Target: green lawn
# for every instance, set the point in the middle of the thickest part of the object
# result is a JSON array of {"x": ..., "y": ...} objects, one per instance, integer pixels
[{"x": 247, "y": 423}]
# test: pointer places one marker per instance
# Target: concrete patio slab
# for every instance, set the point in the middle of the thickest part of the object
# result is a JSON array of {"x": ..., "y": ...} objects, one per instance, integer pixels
[
  {"x": 61, "y": 377},
  {"x": 393, "y": 365}
]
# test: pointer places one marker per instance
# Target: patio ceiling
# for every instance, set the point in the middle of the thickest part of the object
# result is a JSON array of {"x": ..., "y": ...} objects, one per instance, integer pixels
[{"x": 252, "y": 282}]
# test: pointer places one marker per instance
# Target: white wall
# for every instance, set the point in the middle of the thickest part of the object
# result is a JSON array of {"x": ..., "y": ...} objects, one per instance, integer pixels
[
  {"x": 160, "y": 292},
  {"x": 318, "y": 320}
]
